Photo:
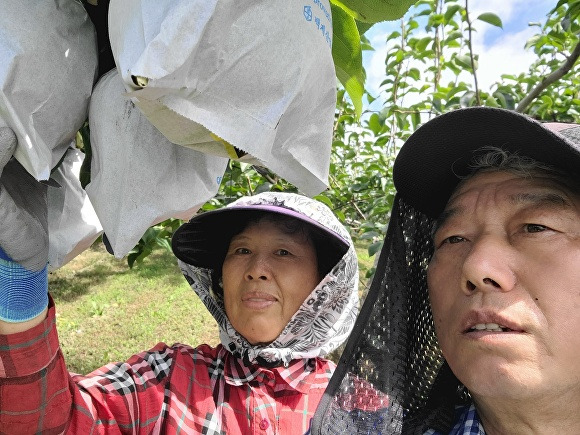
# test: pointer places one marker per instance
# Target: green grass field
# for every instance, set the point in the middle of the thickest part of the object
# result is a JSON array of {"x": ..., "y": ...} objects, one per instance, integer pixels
[{"x": 107, "y": 312}]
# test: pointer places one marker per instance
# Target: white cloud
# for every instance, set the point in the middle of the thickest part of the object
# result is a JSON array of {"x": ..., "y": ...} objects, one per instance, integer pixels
[
  {"x": 375, "y": 68},
  {"x": 502, "y": 8},
  {"x": 504, "y": 54},
  {"x": 510, "y": 10}
]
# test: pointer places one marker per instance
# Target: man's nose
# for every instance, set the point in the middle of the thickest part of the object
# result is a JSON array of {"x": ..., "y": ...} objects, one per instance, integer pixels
[
  {"x": 258, "y": 268},
  {"x": 488, "y": 266}
]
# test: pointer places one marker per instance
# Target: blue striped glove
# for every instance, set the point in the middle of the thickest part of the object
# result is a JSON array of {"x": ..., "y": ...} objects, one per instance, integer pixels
[
  {"x": 23, "y": 292},
  {"x": 23, "y": 238}
]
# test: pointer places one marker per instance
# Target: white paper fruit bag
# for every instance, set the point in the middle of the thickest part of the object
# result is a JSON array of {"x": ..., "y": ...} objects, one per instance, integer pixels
[
  {"x": 48, "y": 64},
  {"x": 217, "y": 74},
  {"x": 138, "y": 177},
  {"x": 73, "y": 225}
]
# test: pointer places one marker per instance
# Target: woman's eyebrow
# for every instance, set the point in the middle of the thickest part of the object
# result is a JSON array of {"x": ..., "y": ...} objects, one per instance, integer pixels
[{"x": 239, "y": 237}]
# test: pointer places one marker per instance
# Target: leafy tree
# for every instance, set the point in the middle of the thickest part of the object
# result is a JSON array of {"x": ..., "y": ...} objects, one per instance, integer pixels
[
  {"x": 430, "y": 68},
  {"x": 426, "y": 75}
]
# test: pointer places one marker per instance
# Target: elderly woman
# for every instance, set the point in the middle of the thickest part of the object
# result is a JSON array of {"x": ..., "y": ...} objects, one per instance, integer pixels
[{"x": 279, "y": 274}]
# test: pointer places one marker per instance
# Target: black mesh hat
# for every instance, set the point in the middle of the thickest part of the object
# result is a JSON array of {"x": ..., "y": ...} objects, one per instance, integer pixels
[
  {"x": 393, "y": 345},
  {"x": 204, "y": 240},
  {"x": 430, "y": 163}
]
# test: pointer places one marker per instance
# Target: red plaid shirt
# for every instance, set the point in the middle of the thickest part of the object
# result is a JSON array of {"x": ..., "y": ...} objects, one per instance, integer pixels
[{"x": 168, "y": 389}]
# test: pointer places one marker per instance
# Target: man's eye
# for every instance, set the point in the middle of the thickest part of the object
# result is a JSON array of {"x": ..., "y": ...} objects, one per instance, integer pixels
[
  {"x": 283, "y": 252},
  {"x": 535, "y": 228},
  {"x": 242, "y": 251},
  {"x": 454, "y": 239}
]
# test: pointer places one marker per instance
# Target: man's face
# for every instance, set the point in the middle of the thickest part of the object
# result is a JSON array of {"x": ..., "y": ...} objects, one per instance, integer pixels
[
  {"x": 504, "y": 284},
  {"x": 267, "y": 274}
]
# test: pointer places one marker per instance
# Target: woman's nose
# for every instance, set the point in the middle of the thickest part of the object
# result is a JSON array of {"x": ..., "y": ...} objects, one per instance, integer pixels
[
  {"x": 258, "y": 268},
  {"x": 488, "y": 266}
]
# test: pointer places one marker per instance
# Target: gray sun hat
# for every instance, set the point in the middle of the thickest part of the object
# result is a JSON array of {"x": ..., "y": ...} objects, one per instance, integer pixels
[
  {"x": 203, "y": 241},
  {"x": 430, "y": 164}
]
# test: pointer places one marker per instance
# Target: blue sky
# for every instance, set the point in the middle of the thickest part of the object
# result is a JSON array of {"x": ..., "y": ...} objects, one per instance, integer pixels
[{"x": 501, "y": 51}]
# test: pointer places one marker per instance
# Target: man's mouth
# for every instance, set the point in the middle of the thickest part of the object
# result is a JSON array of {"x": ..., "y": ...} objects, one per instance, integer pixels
[{"x": 491, "y": 327}]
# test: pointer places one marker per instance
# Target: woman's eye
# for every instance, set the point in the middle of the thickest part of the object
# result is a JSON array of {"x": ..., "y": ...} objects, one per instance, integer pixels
[
  {"x": 283, "y": 252},
  {"x": 534, "y": 228},
  {"x": 242, "y": 251}
]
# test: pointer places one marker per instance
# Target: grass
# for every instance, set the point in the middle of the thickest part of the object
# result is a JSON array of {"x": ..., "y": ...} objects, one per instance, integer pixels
[{"x": 107, "y": 312}]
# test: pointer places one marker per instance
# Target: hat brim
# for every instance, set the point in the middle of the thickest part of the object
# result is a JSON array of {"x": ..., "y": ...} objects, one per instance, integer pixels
[
  {"x": 204, "y": 240},
  {"x": 428, "y": 166}
]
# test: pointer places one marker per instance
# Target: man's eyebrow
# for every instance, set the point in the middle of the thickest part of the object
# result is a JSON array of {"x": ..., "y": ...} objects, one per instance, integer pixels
[
  {"x": 536, "y": 199},
  {"x": 444, "y": 216},
  {"x": 541, "y": 199}
]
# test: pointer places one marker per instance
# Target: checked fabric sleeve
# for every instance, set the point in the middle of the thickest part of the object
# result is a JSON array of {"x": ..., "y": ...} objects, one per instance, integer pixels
[{"x": 168, "y": 389}]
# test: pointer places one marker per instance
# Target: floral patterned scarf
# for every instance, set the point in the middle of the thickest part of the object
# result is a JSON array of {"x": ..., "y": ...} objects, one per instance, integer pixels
[{"x": 323, "y": 321}]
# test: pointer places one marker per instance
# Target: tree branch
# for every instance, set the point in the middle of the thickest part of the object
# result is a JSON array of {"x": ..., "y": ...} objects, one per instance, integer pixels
[
  {"x": 549, "y": 79},
  {"x": 477, "y": 96},
  {"x": 358, "y": 210}
]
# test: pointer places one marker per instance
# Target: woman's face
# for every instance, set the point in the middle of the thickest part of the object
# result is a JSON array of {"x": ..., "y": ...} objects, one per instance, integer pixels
[{"x": 267, "y": 274}]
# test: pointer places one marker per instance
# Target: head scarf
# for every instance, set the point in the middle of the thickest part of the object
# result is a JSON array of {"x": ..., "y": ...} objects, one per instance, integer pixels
[{"x": 325, "y": 318}]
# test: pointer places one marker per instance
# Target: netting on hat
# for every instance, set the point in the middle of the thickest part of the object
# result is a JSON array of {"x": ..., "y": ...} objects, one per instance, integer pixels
[{"x": 393, "y": 345}]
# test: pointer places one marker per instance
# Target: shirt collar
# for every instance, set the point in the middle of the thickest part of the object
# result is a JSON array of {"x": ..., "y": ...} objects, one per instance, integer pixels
[
  {"x": 300, "y": 375},
  {"x": 467, "y": 422}
]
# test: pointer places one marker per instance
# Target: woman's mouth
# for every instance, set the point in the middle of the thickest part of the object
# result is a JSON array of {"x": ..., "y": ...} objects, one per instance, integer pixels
[{"x": 258, "y": 301}]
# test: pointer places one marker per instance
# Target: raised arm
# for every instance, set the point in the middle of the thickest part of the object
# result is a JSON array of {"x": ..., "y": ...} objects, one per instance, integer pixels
[
  {"x": 23, "y": 243},
  {"x": 37, "y": 394}
]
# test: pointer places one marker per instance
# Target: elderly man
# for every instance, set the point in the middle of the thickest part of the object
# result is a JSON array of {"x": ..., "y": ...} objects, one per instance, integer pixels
[{"x": 471, "y": 321}]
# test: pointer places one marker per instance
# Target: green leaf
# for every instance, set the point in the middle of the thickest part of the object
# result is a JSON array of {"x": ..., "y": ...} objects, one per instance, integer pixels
[
  {"x": 464, "y": 61},
  {"x": 362, "y": 27},
  {"x": 490, "y": 102},
  {"x": 393, "y": 35},
  {"x": 504, "y": 100},
  {"x": 165, "y": 243},
  {"x": 373, "y": 11},
  {"x": 491, "y": 18},
  {"x": 450, "y": 12},
  {"x": 532, "y": 41},
  {"x": 375, "y": 124},
  {"x": 347, "y": 55},
  {"x": 324, "y": 200},
  {"x": 423, "y": 42},
  {"x": 453, "y": 35},
  {"x": 416, "y": 119},
  {"x": 374, "y": 248},
  {"x": 437, "y": 105},
  {"x": 414, "y": 73},
  {"x": 467, "y": 99}
]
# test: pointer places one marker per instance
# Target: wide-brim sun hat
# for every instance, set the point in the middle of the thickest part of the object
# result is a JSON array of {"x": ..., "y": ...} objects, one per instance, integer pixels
[
  {"x": 435, "y": 157},
  {"x": 203, "y": 241}
]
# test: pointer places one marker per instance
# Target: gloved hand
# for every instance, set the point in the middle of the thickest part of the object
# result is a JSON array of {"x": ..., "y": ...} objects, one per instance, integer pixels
[{"x": 23, "y": 238}]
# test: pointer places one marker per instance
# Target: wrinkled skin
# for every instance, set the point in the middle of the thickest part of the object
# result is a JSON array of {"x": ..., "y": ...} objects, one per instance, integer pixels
[
  {"x": 267, "y": 275},
  {"x": 507, "y": 254}
]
